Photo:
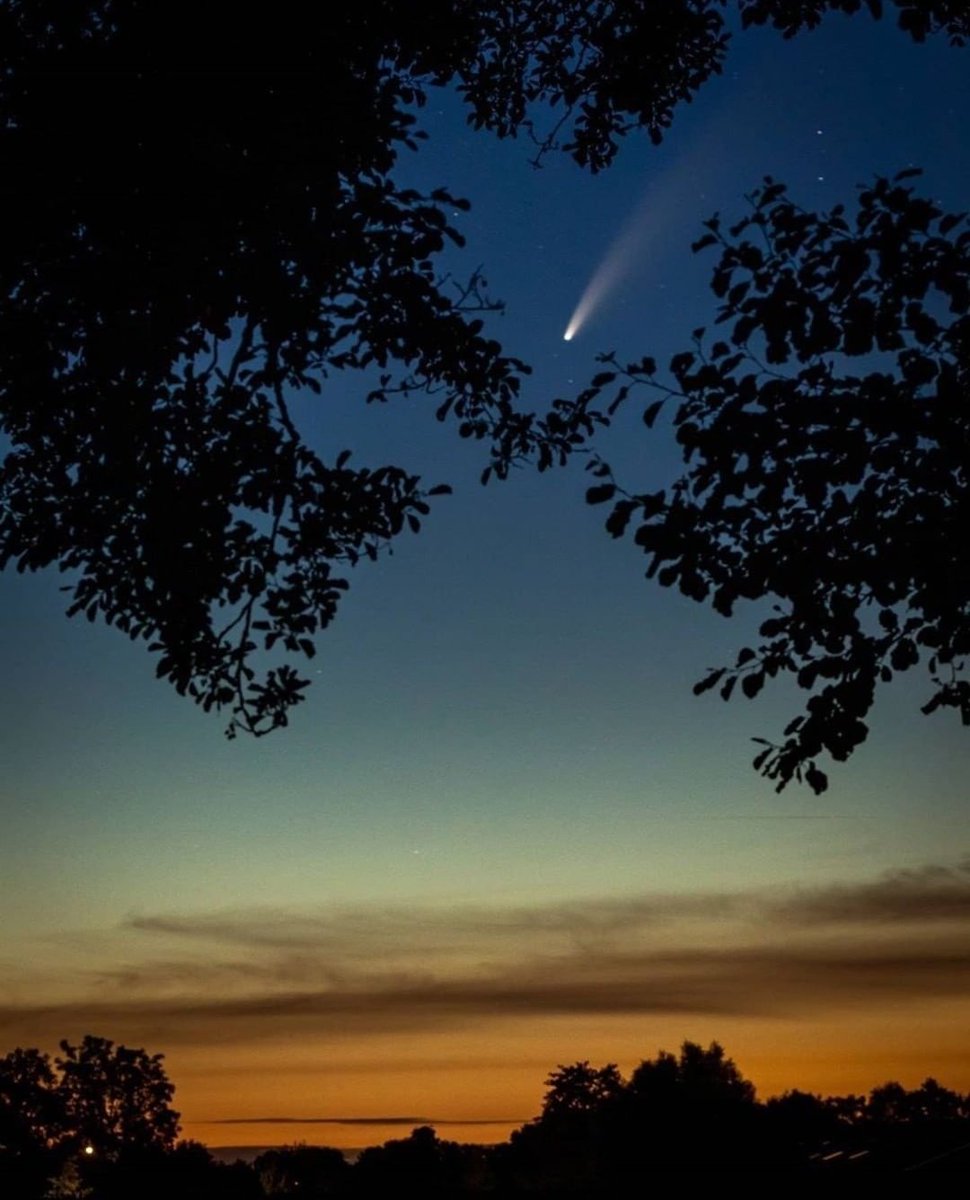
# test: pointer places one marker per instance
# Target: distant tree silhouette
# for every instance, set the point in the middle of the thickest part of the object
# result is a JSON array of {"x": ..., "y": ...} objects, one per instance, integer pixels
[
  {"x": 937, "y": 1103},
  {"x": 690, "y": 1110},
  {"x": 578, "y": 1089},
  {"x": 186, "y": 1171},
  {"x": 97, "y": 1106},
  {"x": 597, "y": 1134},
  {"x": 302, "y": 1171},
  {"x": 893, "y": 1104},
  {"x": 33, "y": 1123},
  {"x": 201, "y": 221},
  {"x": 421, "y": 1164},
  {"x": 563, "y": 1149},
  {"x": 895, "y": 1127},
  {"x": 825, "y": 439},
  {"x": 698, "y": 1076},
  {"x": 799, "y": 1122},
  {"x": 116, "y": 1099},
  {"x": 31, "y": 1109},
  {"x": 849, "y": 1109},
  {"x": 676, "y": 1112}
]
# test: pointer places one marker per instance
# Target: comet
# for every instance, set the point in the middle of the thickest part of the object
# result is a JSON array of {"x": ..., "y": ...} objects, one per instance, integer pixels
[
  {"x": 621, "y": 256},
  {"x": 653, "y": 217}
]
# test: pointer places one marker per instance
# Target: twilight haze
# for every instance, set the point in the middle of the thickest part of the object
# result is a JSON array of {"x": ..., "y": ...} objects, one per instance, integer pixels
[{"x": 502, "y": 833}]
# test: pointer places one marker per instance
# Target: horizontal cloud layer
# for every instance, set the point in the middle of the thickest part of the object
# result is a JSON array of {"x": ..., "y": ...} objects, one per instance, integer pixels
[{"x": 254, "y": 975}]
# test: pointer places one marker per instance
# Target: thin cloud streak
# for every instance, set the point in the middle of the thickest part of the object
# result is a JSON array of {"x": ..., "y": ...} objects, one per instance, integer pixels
[
  {"x": 365, "y": 1121},
  {"x": 435, "y": 926}
]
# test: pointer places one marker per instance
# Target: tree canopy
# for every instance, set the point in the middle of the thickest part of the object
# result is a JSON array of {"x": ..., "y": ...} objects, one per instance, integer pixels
[
  {"x": 676, "y": 1110},
  {"x": 825, "y": 438},
  {"x": 32, "y": 1117},
  {"x": 202, "y": 219},
  {"x": 97, "y": 1102},
  {"x": 109, "y": 1097},
  {"x": 578, "y": 1089},
  {"x": 116, "y": 1098}
]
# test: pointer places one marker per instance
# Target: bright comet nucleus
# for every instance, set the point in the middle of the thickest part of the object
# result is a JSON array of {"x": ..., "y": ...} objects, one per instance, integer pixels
[{"x": 606, "y": 276}]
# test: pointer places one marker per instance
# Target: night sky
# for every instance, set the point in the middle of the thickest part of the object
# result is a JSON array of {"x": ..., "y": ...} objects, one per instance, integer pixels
[{"x": 502, "y": 833}]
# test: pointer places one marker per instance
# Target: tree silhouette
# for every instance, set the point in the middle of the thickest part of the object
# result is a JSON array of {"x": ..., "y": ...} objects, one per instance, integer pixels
[
  {"x": 598, "y": 1130},
  {"x": 894, "y": 1104},
  {"x": 598, "y": 1134},
  {"x": 825, "y": 439},
  {"x": 803, "y": 1121},
  {"x": 421, "y": 1164},
  {"x": 116, "y": 1099},
  {"x": 201, "y": 220},
  {"x": 97, "y": 1107},
  {"x": 698, "y": 1076},
  {"x": 32, "y": 1122},
  {"x": 312, "y": 1171},
  {"x": 694, "y": 1109},
  {"x": 31, "y": 1110},
  {"x": 578, "y": 1089},
  {"x": 194, "y": 246}
]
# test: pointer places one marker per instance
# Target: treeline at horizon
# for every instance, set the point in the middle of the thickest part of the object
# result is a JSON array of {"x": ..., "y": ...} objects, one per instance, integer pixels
[{"x": 97, "y": 1122}]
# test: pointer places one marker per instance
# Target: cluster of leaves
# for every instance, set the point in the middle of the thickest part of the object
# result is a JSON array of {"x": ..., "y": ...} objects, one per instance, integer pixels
[
  {"x": 578, "y": 1089},
  {"x": 187, "y": 248},
  {"x": 840, "y": 492},
  {"x": 184, "y": 248},
  {"x": 606, "y": 67},
  {"x": 918, "y": 18},
  {"x": 202, "y": 221}
]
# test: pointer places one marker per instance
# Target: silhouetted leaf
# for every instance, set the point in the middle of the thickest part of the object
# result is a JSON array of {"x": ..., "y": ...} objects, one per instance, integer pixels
[
  {"x": 600, "y": 494},
  {"x": 650, "y": 413},
  {"x": 708, "y": 682}
]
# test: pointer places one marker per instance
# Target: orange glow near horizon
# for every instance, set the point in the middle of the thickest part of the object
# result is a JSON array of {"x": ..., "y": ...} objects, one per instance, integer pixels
[
  {"x": 500, "y": 1077},
  {"x": 348, "y": 1026}
]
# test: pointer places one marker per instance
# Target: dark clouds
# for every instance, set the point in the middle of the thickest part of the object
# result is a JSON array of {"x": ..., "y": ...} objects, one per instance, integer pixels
[
  {"x": 251, "y": 976},
  {"x": 929, "y": 894}
]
